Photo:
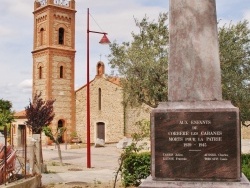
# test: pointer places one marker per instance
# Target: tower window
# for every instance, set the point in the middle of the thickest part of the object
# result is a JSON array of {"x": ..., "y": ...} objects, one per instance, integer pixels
[
  {"x": 40, "y": 72},
  {"x": 59, "y": 128},
  {"x": 61, "y": 71},
  {"x": 61, "y": 36},
  {"x": 41, "y": 36},
  {"x": 99, "y": 98}
]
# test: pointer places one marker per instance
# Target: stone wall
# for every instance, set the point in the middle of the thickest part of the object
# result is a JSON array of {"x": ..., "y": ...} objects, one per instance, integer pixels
[
  {"x": 62, "y": 89},
  {"x": 133, "y": 115},
  {"x": 30, "y": 182},
  {"x": 245, "y": 132}
]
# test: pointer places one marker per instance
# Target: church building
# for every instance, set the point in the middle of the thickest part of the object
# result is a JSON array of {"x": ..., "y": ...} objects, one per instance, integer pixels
[
  {"x": 110, "y": 119},
  {"x": 54, "y": 73}
]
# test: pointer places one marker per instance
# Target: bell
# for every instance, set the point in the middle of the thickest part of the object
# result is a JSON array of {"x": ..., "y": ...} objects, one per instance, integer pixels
[{"x": 104, "y": 40}]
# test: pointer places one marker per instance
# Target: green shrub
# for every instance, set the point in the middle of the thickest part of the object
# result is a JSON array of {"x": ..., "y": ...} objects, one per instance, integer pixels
[
  {"x": 246, "y": 165},
  {"x": 135, "y": 167}
]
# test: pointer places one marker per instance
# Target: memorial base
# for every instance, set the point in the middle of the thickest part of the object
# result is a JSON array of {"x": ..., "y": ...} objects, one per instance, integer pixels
[
  {"x": 149, "y": 183},
  {"x": 196, "y": 141}
]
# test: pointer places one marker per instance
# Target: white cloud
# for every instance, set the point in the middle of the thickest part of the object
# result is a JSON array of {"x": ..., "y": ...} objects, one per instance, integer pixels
[
  {"x": 6, "y": 88},
  {"x": 4, "y": 31},
  {"x": 17, "y": 8},
  {"x": 26, "y": 84},
  {"x": 247, "y": 15}
]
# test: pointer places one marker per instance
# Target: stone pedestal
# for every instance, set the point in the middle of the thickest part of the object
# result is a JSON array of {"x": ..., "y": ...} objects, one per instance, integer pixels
[
  {"x": 195, "y": 144},
  {"x": 195, "y": 141},
  {"x": 150, "y": 183}
]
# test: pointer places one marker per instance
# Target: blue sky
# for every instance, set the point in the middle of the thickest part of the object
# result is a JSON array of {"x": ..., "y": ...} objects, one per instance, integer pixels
[{"x": 116, "y": 17}]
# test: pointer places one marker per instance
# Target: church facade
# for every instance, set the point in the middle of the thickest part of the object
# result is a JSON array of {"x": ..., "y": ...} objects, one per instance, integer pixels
[
  {"x": 53, "y": 75},
  {"x": 110, "y": 119}
]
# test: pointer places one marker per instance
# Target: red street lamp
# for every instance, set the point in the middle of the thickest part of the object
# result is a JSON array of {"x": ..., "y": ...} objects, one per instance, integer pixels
[{"x": 104, "y": 40}]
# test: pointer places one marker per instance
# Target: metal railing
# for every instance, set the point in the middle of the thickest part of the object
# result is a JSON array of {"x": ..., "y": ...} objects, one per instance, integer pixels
[{"x": 13, "y": 161}]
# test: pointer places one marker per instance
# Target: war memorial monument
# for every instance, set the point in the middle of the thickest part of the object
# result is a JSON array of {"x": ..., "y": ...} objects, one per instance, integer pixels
[{"x": 195, "y": 135}]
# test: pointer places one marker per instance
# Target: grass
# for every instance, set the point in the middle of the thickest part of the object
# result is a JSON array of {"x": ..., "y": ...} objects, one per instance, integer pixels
[
  {"x": 246, "y": 165},
  {"x": 50, "y": 172}
]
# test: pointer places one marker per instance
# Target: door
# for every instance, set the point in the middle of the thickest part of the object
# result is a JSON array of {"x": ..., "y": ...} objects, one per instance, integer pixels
[
  {"x": 21, "y": 135},
  {"x": 101, "y": 130}
]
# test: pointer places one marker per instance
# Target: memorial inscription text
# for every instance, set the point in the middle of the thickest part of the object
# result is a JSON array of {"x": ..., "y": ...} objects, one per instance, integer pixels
[{"x": 190, "y": 144}]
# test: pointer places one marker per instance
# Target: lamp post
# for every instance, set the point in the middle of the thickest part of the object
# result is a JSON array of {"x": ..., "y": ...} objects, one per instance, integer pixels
[{"x": 104, "y": 40}]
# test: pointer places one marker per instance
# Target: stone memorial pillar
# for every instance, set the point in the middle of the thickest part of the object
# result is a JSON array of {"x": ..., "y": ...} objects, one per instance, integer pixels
[
  {"x": 195, "y": 136},
  {"x": 194, "y": 64}
]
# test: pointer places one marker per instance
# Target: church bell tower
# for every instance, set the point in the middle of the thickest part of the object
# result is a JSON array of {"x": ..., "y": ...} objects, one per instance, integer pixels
[{"x": 54, "y": 58}]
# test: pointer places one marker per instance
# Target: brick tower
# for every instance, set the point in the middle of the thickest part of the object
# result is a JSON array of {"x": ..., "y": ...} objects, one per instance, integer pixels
[{"x": 54, "y": 59}]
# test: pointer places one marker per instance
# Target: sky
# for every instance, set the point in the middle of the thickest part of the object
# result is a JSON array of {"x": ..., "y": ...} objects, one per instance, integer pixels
[{"x": 116, "y": 17}]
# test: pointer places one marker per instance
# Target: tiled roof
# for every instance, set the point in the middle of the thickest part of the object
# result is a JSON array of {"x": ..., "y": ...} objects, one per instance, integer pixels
[
  {"x": 21, "y": 114},
  {"x": 115, "y": 80}
]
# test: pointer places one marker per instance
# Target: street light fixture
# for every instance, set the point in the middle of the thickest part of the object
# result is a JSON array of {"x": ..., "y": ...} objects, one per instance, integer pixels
[{"x": 104, "y": 40}]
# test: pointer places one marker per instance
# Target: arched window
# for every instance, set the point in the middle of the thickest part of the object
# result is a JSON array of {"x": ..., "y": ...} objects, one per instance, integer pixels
[
  {"x": 60, "y": 125},
  {"x": 61, "y": 36},
  {"x": 40, "y": 72},
  {"x": 61, "y": 71},
  {"x": 41, "y": 36},
  {"x": 99, "y": 99}
]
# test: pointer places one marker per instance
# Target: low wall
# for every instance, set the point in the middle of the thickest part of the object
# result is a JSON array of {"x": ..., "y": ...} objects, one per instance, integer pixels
[
  {"x": 245, "y": 132},
  {"x": 33, "y": 182}
]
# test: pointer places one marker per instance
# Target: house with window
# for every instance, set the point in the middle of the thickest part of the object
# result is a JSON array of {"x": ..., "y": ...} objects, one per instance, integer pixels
[{"x": 19, "y": 130}]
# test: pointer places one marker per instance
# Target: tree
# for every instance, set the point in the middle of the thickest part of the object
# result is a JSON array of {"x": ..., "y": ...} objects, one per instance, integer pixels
[
  {"x": 55, "y": 138},
  {"x": 143, "y": 64},
  {"x": 39, "y": 113},
  {"x": 234, "y": 42},
  {"x": 6, "y": 114}
]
